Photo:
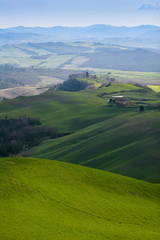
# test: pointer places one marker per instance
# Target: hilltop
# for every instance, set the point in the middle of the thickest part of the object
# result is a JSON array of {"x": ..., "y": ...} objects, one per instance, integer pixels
[{"x": 42, "y": 199}]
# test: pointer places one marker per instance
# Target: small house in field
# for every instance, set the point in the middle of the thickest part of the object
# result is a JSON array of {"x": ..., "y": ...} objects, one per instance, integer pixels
[{"x": 120, "y": 100}]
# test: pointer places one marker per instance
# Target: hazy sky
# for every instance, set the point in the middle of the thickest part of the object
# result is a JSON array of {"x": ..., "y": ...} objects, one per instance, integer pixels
[{"x": 47, "y": 13}]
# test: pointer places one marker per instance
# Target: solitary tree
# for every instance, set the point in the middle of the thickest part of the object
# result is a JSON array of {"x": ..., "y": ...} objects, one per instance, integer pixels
[
  {"x": 87, "y": 74},
  {"x": 141, "y": 108}
]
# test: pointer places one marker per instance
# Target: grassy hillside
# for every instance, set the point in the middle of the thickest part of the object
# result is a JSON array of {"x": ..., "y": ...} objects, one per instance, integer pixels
[
  {"x": 71, "y": 111},
  {"x": 54, "y": 200},
  {"x": 154, "y": 88},
  {"x": 115, "y": 138},
  {"x": 127, "y": 144},
  {"x": 132, "y": 77}
]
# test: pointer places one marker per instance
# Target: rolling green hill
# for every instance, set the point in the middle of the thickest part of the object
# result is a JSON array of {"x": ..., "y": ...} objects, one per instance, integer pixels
[
  {"x": 72, "y": 111},
  {"x": 54, "y": 200},
  {"x": 114, "y": 138},
  {"x": 127, "y": 144}
]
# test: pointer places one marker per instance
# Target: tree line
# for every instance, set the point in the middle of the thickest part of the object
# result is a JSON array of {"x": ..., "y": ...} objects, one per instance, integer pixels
[
  {"x": 20, "y": 134},
  {"x": 14, "y": 76}
]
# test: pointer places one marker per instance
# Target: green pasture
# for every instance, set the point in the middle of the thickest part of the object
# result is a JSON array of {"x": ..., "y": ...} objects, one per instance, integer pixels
[
  {"x": 69, "y": 111},
  {"x": 115, "y": 138},
  {"x": 44, "y": 199},
  {"x": 132, "y": 77},
  {"x": 155, "y": 88},
  {"x": 127, "y": 144}
]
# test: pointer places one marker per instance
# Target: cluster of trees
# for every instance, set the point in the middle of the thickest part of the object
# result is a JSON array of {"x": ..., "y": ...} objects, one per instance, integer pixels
[
  {"x": 13, "y": 76},
  {"x": 73, "y": 85},
  {"x": 19, "y": 134},
  {"x": 9, "y": 83}
]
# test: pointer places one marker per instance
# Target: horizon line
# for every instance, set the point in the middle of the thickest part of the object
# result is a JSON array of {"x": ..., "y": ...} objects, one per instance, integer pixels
[{"x": 63, "y": 26}]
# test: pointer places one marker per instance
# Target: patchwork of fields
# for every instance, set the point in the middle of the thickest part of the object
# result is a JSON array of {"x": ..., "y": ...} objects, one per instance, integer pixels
[
  {"x": 77, "y": 55},
  {"x": 102, "y": 177}
]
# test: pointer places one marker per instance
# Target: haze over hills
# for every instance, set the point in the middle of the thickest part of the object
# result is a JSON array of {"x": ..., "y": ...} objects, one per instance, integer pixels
[
  {"x": 144, "y": 35},
  {"x": 110, "y": 128},
  {"x": 111, "y": 31},
  {"x": 79, "y": 120},
  {"x": 73, "y": 55}
]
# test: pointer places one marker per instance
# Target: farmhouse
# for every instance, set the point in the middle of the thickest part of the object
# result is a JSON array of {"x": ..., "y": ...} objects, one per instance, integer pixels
[{"x": 120, "y": 100}]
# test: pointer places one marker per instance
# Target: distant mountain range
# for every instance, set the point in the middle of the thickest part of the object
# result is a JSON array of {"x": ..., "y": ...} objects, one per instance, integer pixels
[{"x": 139, "y": 36}]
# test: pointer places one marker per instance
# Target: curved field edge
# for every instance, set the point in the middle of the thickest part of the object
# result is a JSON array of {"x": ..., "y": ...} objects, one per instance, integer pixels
[
  {"x": 127, "y": 144},
  {"x": 43, "y": 199},
  {"x": 71, "y": 111}
]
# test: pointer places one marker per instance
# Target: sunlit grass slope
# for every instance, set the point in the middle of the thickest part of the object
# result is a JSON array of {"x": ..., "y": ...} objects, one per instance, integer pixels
[
  {"x": 114, "y": 138},
  {"x": 155, "y": 88},
  {"x": 66, "y": 110},
  {"x": 54, "y": 200},
  {"x": 127, "y": 144},
  {"x": 69, "y": 111}
]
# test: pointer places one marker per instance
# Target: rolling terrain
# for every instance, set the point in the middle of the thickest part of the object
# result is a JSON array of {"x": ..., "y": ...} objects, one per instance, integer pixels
[
  {"x": 11, "y": 93},
  {"x": 80, "y": 54},
  {"x": 56, "y": 199},
  {"x": 110, "y": 137},
  {"x": 126, "y": 60},
  {"x": 139, "y": 36},
  {"x": 127, "y": 144},
  {"x": 79, "y": 131},
  {"x": 59, "y": 108},
  {"x": 43, "y": 65},
  {"x": 42, "y": 199},
  {"x": 13, "y": 76},
  {"x": 50, "y": 54}
]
